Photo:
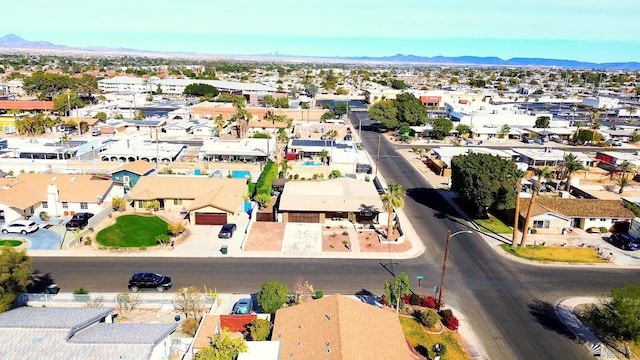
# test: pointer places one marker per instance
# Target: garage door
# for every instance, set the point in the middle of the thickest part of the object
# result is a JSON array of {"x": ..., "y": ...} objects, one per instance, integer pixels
[
  {"x": 304, "y": 217},
  {"x": 211, "y": 218}
]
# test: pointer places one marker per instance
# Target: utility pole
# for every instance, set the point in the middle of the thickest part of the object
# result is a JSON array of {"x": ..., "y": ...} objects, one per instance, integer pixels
[
  {"x": 444, "y": 262},
  {"x": 379, "y": 138}
]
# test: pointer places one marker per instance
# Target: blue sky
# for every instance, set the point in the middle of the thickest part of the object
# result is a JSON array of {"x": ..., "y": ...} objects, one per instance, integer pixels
[{"x": 586, "y": 30}]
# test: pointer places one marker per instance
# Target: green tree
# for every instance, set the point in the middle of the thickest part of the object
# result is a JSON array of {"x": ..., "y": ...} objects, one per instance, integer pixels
[
  {"x": 542, "y": 122},
  {"x": 543, "y": 173},
  {"x": 483, "y": 180},
  {"x": 219, "y": 122},
  {"x": 410, "y": 109},
  {"x": 392, "y": 198},
  {"x": 441, "y": 127},
  {"x": 463, "y": 129},
  {"x": 398, "y": 84},
  {"x": 64, "y": 103},
  {"x": 504, "y": 131},
  {"x": 199, "y": 89},
  {"x": 340, "y": 109},
  {"x": 385, "y": 113},
  {"x": 569, "y": 165},
  {"x": 259, "y": 329},
  {"x": 102, "y": 116},
  {"x": 284, "y": 167},
  {"x": 224, "y": 346},
  {"x": 15, "y": 276},
  {"x": 272, "y": 296},
  {"x": 619, "y": 314},
  {"x": 396, "y": 289},
  {"x": 623, "y": 182}
]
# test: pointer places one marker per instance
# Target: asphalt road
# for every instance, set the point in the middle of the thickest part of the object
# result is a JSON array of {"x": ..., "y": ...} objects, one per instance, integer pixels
[{"x": 509, "y": 305}]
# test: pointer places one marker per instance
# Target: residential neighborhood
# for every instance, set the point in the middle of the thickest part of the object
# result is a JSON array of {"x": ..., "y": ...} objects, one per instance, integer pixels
[{"x": 300, "y": 163}]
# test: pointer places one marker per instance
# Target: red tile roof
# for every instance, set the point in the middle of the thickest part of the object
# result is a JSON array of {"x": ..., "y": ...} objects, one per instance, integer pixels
[{"x": 26, "y": 105}]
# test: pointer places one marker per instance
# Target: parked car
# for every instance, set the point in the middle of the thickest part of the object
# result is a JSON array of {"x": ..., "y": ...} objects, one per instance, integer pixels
[
  {"x": 96, "y": 132},
  {"x": 614, "y": 142},
  {"x": 227, "y": 231},
  {"x": 244, "y": 306},
  {"x": 20, "y": 227},
  {"x": 79, "y": 221},
  {"x": 625, "y": 242},
  {"x": 144, "y": 280}
]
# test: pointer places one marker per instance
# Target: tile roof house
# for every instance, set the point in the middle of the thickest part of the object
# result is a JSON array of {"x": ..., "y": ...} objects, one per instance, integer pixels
[
  {"x": 209, "y": 201},
  {"x": 56, "y": 194},
  {"x": 339, "y": 327},
  {"x": 552, "y": 215},
  {"x": 129, "y": 173},
  {"x": 317, "y": 201},
  {"x": 79, "y": 333},
  {"x": 27, "y": 105}
]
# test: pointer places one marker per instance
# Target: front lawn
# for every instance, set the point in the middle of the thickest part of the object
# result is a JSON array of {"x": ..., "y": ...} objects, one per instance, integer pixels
[
  {"x": 494, "y": 225},
  {"x": 560, "y": 254},
  {"x": 422, "y": 341},
  {"x": 133, "y": 231},
  {"x": 11, "y": 243}
]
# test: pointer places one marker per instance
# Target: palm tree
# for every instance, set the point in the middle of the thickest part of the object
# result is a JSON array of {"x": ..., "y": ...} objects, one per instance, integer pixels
[
  {"x": 219, "y": 122},
  {"x": 631, "y": 110},
  {"x": 331, "y": 135},
  {"x": 593, "y": 117},
  {"x": 540, "y": 173},
  {"x": 623, "y": 181},
  {"x": 284, "y": 166},
  {"x": 570, "y": 165},
  {"x": 65, "y": 139},
  {"x": 242, "y": 116},
  {"x": 393, "y": 198},
  {"x": 517, "y": 175}
]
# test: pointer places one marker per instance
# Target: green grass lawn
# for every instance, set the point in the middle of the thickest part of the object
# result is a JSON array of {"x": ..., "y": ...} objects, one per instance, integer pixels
[
  {"x": 133, "y": 231},
  {"x": 560, "y": 254},
  {"x": 422, "y": 341},
  {"x": 12, "y": 243},
  {"x": 494, "y": 225}
]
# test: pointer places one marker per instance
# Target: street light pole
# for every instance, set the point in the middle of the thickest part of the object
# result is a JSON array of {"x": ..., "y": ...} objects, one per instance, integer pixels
[{"x": 444, "y": 262}]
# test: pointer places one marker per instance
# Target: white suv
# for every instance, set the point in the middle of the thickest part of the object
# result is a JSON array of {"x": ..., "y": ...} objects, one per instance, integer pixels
[{"x": 20, "y": 227}]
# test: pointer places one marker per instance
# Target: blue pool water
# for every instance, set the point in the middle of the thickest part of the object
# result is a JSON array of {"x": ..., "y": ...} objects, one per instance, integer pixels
[
  {"x": 240, "y": 174},
  {"x": 311, "y": 163}
]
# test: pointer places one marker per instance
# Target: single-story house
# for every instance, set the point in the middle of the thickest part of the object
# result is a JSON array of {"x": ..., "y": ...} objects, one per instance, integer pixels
[
  {"x": 339, "y": 327},
  {"x": 178, "y": 127},
  {"x": 343, "y": 198},
  {"x": 249, "y": 149},
  {"x": 208, "y": 201},
  {"x": 552, "y": 215},
  {"x": 55, "y": 194},
  {"x": 79, "y": 334},
  {"x": 205, "y": 129},
  {"x": 128, "y": 174}
]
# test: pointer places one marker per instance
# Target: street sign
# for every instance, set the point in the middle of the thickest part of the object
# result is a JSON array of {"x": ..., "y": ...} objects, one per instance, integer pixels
[{"x": 419, "y": 277}]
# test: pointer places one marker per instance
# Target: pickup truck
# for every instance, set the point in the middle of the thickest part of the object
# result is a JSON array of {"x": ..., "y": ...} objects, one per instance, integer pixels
[{"x": 78, "y": 221}]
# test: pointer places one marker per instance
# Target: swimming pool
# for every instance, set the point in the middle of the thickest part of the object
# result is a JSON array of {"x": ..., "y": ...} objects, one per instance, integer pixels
[{"x": 311, "y": 163}]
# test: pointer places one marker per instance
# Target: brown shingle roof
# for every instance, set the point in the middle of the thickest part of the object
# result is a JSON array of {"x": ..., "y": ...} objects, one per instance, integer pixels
[
  {"x": 339, "y": 327},
  {"x": 225, "y": 194},
  {"x": 577, "y": 208}
]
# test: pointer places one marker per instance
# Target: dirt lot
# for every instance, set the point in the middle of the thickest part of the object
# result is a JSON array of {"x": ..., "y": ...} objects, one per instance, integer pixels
[
  {"x": 333, "y": 237},
  {"x": 265, "y": 236},
  {"x": 369, "y": 243}
]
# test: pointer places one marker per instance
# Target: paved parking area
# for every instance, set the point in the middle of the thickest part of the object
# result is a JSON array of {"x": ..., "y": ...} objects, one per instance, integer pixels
[{"x": 43, "y": 239}]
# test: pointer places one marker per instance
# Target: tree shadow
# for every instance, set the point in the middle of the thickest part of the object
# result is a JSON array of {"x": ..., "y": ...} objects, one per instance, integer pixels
[
  {"x": 420, "y": 349},
  {"x": 39, "y": 282},
  {"x": 545, "y": 314},
  {"x": 433, "y": 199}
]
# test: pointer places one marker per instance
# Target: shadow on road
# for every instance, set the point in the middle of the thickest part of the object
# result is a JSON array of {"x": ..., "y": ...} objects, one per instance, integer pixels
[
  {"x": 432, "y": 199},
  {"x": 545, "y": 315},
  {"x": 39, "y": 282}
]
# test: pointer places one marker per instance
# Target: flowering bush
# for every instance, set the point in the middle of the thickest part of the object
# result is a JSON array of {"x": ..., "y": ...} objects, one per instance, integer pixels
[
  {"x": 428, "y": 301},
  {"x": 384, "y": 300},
  {"x": 406, "y": 299},
  {"x": 451, "y": 323}
]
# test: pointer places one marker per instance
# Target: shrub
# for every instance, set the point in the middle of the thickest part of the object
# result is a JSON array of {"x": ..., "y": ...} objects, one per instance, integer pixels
[
  {"x": 163, "y": 239},
  {"x": 259, "y": 329},
  {"x": 603, "y": 230},
  {"x": 429, "y": 318},
  {"x": 384, "y": 301},
  {"x": 269, "y": 173},
  {"x": 80, "y": 291},
  {"x": 345, "y": 233},
  {"x": 451, "y": 323},
  {"x": 428, "y": 301},
  {"x": 534, "y": 231},
  {"x": 263, "y": 200},
  {"x": 190, "y": 326},
  {"x": 414, "y": 299},
  {"x": 319, "y": 294},
  {"x": 406, "y": 299},
  {"x": 439, "y": 349}
]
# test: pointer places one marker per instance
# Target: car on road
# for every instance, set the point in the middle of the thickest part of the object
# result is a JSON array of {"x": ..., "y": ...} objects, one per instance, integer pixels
[
  {"x": 244, "y": 306},
  {"x": 625, "y": 242},
  {"x": 147, "y": 280},
  {"x": 20, "y": 227},
  {"x": 227, "y": 230},
  {"x": 79, "y": 221},
  {"x": 614, "y": 142}
]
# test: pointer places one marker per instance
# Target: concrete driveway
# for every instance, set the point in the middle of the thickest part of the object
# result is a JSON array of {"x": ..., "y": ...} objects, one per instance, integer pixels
[{"x": 43, "y": 239}]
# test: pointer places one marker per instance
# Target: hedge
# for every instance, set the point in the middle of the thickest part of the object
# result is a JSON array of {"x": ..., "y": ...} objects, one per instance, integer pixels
[{"x": 269, "y": 173}]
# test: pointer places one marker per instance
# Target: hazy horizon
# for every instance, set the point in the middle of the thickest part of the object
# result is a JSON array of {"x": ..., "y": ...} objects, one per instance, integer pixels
[{"x": 571, "y": 30}]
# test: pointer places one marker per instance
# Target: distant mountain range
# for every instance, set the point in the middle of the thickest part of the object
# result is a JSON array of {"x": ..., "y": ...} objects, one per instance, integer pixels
[{"x": 14, "y": 43}]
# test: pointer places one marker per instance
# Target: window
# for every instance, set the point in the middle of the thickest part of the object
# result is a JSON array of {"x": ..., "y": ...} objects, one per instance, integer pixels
[
  {"x": 177, "y": 201},
  {"x": 603, "y": 219},
  {"x": 141, "y": 204},
  {"x": 592, "y": 219},
  {"x": 84, "y": 206},
  {"x": 65, "y": 205},
  {"x": 539, "y": 224},
  {"x": 45, "y": 205}
]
